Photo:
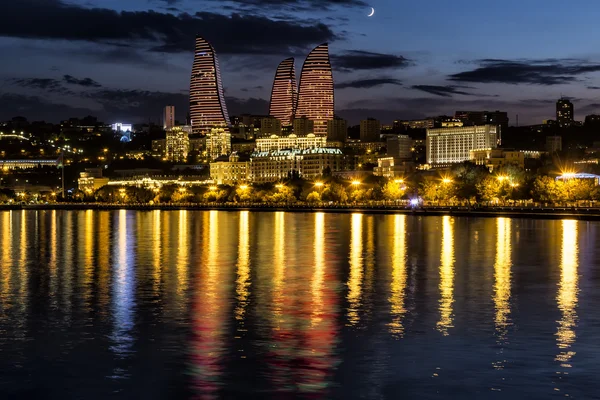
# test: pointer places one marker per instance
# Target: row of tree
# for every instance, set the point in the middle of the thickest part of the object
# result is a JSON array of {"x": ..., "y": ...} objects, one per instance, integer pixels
[{"x": 463, "y": 184}]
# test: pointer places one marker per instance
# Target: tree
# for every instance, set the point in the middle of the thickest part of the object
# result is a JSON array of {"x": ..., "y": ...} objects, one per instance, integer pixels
[
  {"x": 393, "y": 190},
  {"x": 313, "y": 197}
]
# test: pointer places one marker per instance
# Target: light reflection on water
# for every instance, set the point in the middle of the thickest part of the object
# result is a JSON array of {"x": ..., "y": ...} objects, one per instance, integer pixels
[{"x": 185, "y": 304}]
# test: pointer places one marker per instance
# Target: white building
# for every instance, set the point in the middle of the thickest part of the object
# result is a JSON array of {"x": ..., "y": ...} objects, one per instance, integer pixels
[
  {"x": 293, "y": 141},
  {"x": 218, "y": 143},
  {"x": 177, "y": 144},
  {"x": 230, "y": 172},
  {"x": 454, "y": 145}
]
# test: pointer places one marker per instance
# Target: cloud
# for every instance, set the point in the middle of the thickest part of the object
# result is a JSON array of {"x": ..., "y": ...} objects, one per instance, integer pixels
[
  {"x": 366, "y": 60},
  {"x": 37, "y": 108},
  {"x": 593, "y": 87},
  {"x": 252, "y": 105},
  {"x": 163, "y": 32},
  {"x": 86, "y": 82},
  {"x": 290, "y": 5},
  {"x": 546, "y": 72},
  {"x": 368, "y": 83},
  {"x": 444, "y": 91},
  {"x": 47, "y": 84}
]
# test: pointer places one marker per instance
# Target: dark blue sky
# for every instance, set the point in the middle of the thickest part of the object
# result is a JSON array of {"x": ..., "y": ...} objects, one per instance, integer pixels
[{"x": 126, "y": 59}]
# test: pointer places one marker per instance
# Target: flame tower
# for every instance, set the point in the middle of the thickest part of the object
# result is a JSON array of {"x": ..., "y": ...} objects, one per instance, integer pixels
[
  {"x": 284, "y": 95},
  {"x": 315, "y": 99},
  {"x": 207, "y": 102}
]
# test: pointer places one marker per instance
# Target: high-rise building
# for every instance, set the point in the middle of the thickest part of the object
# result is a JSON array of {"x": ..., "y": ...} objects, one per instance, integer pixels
[
  {"x": 270, "y": 126},
  {"x": 315, "y": 96},
  {"x": 207, "y": 101},
  {"x": 564, "y": 113},
  {"x": 399, "y": 147},
  {"x": 284, "y": 95},
  {"x": 169, "y": 117},
  {"x": 454, "y": 145},
  {"x": 370, "y": 130},
  {"x": 553, "y": 144},
  {"x": 303, "y": 126},
  {"x": 177, "y": 143},
  {"x": 337, "y": 130},
  {"x": 218, "y": 143}
]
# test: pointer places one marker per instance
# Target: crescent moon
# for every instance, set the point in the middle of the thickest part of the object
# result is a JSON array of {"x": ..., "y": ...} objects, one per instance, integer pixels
[{"x": 372, "y": 12}]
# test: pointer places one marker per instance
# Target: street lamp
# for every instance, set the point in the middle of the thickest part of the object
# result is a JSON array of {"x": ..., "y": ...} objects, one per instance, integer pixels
[
  {"x": 355, "y": 183},
  {"x": 399, "y": 180},
  {"x": 279, "y": 186},
  {"x": 212, "y": 188},
  {"x": 447, "y": 180},
  {"x": 319, "y": 184}
]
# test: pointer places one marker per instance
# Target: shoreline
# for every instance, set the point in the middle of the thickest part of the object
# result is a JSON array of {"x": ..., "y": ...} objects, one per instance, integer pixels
[{"x": 579, "y": 213}]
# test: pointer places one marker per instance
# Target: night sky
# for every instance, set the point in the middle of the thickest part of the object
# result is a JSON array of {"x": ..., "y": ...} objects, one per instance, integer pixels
[{"x": 126, "y": 59}]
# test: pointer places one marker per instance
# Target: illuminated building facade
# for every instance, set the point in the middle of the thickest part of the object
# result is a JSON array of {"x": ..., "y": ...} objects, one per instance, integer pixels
[
  {"x": 6, "y": 165},
  {"x": 315, "y": 96},
  {"x": 290, "y": 142},
  {"x": 234, "y": 170},
  {"x": 399, "y": 146},
  {"x": 564, "y": 113},
  {"x": 284, "y": 96},
  {"x": 169, "y": 117},
  {"x": 496, "y": 158},
  {"x": 91, "y": 180},
  {"x": 454, "y": 145},
  {"x": 218, "y": 143},
  {"x": 207, "y": 101},
  {"x": 177, "y": 143}
]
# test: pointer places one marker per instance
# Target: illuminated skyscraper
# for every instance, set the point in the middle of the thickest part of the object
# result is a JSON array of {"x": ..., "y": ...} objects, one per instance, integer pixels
[
  {"x": 564, "y": 112},
  {"x": 284, "y": 96},
  {"x": 207, "y": 102},
  {"x": 315, "y": 98},
  {"x": 169, "y": 117}
]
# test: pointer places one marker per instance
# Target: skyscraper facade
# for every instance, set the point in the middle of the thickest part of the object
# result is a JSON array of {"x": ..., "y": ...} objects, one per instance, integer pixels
[
  {"x": 315, "y": 96},
  {"x": 169, "y": 117},
  {"x": 207, "y": 101},
  {"x": 284, "y": 95},
  {"x": 564, "y": 113}
]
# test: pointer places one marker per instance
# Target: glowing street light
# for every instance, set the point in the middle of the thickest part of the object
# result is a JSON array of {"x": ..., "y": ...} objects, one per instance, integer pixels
[
  {"x": 355, "y": 183},
  {"x": 447, "y": 180},
  {"x": 243, "y": 187},
  {"x": 319, "y": 184},
  {"x": 213, "y": 188},
  {"x": 279, "y": 186},
  {"x": 399, "y": 180},
  {"x": 502, "y": 178}
]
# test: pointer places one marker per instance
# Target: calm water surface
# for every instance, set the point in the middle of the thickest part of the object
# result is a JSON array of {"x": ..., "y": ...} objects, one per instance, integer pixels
[{"x": 186, "y": 304}]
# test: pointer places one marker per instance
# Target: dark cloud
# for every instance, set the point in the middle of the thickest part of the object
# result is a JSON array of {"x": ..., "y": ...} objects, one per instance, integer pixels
[
  {"x": 444, "y": 91},
  {"x": 593, "y": 87},
  {"x": 164, "y": 32},
  {"x": 291, "y": 5},
  {"x": 236, "y": 106},
  {"x": 539, "y": 72},
  {"x": 47, "y": 84},
  {"x": 368, "y": 83},
  {"x": 366, "y": 60},
  {"x": 86, "y": 82},
  {"x": 36, "y": 108}
]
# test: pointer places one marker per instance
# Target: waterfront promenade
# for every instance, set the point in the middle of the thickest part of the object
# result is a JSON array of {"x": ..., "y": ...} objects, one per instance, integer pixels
[{"x": 549, "y": 212}]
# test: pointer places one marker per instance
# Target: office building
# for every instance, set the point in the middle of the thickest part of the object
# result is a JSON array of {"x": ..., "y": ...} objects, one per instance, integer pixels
[
  {"x": 564, "y": 113},
  {"x": 454, "y": 145},
  {"x": 207, "y": 101},
  {"x": 274, "y": 142},
  {"x": 390, "y": 167},
  {"x": 399, "y": 147},
  {"x": 177, "y": 144},
  {"x": 91, "y": 180},
  {"x": 469, "y": 118},
  {"x": 270, "y": 126},
  {"x": 553, "y": 144},
  {"x": 315, "y": 95},
  {"x": 399, "y": 125},
  {"x": 159, "y": 147},
  {"x": 230, "y": 170},
  {"x": 303, "y": 126},
  {"x": 169, "y": 117},
  {"x": 284, "y": 95},
  {"x": 337, "y": 130},
  {"x": 496, "y": 158},
  {"x": 370, "y": 130},
  {"x": 218, "y": 143}
]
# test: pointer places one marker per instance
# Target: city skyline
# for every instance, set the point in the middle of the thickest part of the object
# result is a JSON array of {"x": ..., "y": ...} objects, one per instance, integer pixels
[{"x": 430, "y": 64}]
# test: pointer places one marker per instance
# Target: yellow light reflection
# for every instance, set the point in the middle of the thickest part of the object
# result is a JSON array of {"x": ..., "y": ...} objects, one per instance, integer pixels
[
  {"x": 399, "y": 276},
  {"x": 319, "y": 272},
  {"x": 279, "y": 265},
  {"x": 446, "y": 277},
  {"x": 6, "y": 262},
  {"x": 502, "y": 276},
  {"x": 104, "y": 230},
  {"x": 243, "y": 267},
  {"x": 156, "y": 251},
  {"x": 567, "y": 293},
  {"x": 356, "y": 269},
  {"x": 182, "y": 253},
  {"x": 88, "y": 268}
]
